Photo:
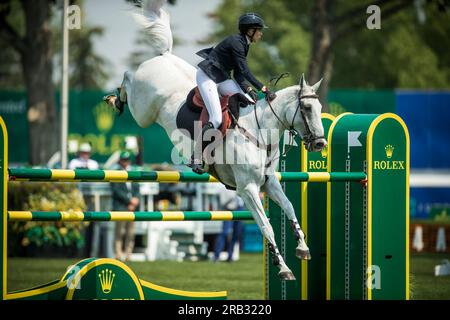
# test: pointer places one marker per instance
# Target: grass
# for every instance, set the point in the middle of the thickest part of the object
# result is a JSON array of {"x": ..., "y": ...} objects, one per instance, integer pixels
[
  {"x": 242, "y": 279},
  {"x": 424, "y": 285}
]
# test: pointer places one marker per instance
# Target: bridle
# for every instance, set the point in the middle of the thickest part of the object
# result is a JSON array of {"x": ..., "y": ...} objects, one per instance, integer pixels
[{"x": 309, "y": 137}]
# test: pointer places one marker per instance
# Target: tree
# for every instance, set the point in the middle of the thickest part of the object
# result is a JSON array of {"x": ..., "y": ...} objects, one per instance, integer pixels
[
  {"x": 88, "y": 70},
  {"x": 398, "y": 57},
  {"x": 322, "y": 35},
  {"x": 10, "y": 68},
  {"x": 285, "y": 46},
  {"x": 34, "y": 47},
  {"x": 29, "y": 44},
  {"x": 330, "y": 24}
]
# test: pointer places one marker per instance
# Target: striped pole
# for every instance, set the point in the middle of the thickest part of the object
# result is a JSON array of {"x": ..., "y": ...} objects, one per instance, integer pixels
[
  {"x": 83, "y": 175},
  {"x": 129, "y": 216},
  {"x": 3, "y": 208}
]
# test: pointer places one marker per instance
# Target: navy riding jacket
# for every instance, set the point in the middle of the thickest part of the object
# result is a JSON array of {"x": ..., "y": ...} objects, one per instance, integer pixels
[{"x": 229, "y": 55}]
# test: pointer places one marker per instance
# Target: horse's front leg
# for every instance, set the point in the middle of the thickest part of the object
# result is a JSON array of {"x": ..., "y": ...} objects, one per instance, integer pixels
[
  {"x": 275, "y": 192},
  {"x": 249, "y": 192}
]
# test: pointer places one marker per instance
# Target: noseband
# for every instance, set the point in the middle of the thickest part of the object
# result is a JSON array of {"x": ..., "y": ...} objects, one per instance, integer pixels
[{"x": 309, "y": 137}]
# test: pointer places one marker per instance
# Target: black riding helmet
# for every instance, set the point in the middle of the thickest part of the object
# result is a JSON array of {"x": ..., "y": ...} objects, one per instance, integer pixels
[{"x": 250, "y": 20}]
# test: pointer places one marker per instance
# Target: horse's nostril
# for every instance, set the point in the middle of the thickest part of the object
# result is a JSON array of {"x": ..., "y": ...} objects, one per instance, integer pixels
[{"x": 319, "y": 145}]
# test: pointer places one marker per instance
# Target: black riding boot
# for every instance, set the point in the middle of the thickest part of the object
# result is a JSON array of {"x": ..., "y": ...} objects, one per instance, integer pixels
[{"x": 197, "y": 164}]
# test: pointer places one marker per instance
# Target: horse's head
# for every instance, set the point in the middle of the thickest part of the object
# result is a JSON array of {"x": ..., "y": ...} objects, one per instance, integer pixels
[{"x": 305, "y": 116}]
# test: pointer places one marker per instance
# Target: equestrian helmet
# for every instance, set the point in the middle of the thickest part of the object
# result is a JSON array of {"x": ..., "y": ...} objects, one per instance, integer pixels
[{"x": 250, "y": 20}]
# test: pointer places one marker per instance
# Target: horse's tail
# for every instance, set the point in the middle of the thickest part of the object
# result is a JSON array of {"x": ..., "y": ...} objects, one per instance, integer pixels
[{"x": 155, "y": 23}]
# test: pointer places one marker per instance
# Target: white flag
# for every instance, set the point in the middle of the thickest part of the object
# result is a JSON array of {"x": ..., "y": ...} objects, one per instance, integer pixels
[
  {"x": 353, "y": 140},
  {"x": 418, "y": 239},
  {"x": 440, "y": 242}
]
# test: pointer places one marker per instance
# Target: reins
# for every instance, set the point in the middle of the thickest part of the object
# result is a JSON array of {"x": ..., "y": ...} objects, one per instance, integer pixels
[{"x": 292, "y": 131}]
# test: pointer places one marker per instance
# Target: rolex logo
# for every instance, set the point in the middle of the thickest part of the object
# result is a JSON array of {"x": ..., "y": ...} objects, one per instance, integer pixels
[
  {"x": 106, "y": 278},
  {"x": 389, "y": 151},
  {"x": 104, "y": 116},
  {"x": 324, "y": 152}
]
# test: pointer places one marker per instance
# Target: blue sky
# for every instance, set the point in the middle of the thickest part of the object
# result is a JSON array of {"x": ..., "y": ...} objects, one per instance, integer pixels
[{"x": 189, "y": 23}]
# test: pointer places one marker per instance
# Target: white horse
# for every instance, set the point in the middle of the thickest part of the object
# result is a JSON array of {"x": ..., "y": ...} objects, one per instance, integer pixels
[{"x": 158, "y": 89}]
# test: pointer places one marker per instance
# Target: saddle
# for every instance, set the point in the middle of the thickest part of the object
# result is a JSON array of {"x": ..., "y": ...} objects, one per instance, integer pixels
[
  {"x": 197, "y": 103},
  {"x": 194, "y": 109}
]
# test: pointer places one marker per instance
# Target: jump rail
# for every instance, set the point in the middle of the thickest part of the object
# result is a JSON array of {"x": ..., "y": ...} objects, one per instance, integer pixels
[
  {"x": 83, "y": 175},
  {"x": 129, "y": 216}
]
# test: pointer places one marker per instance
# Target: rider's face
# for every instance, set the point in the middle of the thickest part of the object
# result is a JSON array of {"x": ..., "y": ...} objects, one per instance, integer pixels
[{"x": 258, "y": 34}]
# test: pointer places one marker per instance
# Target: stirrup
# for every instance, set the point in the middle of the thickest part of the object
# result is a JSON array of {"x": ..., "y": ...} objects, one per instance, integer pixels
[
  {"x": 195, "y": 166},
  {"x": 198, "y": 169}
]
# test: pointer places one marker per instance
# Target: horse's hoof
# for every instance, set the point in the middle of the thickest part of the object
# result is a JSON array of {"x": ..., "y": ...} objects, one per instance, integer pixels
[
  {"x": 110, "y": 100},
  {"x": 286, "y": 275},
  {"x": 303, "y": 254},
  {"x": 196, "y": 167},
  {"x": 115, "y": 103},
  {"x": 199, "y": 171}
]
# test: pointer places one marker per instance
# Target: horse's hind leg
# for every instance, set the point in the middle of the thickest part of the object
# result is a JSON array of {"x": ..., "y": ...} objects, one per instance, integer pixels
[
  {"x": 250, "y": 195},
  {"x": 119, "y": 98},
  {"x": 275, "y": 192}
]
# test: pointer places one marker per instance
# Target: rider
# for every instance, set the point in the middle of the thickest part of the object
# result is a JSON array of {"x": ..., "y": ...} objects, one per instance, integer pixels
[{"x": 214, "y": 75}]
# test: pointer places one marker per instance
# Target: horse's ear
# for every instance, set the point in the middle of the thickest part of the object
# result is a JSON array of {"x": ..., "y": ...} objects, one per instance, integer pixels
[
  {"x": 302, "y": 82},
  {"x": 317, "y": 85}
]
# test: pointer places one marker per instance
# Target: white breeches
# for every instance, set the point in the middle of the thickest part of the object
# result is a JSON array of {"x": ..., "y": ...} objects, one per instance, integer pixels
[{"x": 210, "y": 93}]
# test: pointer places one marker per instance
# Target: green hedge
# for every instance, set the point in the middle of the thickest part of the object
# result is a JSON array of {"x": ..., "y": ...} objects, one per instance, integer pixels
[{"x": 33, "y": 237}]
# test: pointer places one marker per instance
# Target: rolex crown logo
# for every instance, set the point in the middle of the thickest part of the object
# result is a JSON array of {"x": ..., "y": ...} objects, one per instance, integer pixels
[
  {"x": 104, "y": 116},
  {"x": 106, "y": 278},
  {"x": 324, "y": 152},
  {"x": 389, "y": 151}
]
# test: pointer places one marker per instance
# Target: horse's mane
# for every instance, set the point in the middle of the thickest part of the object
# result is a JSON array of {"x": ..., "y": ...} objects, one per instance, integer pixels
[{"x": 291, "y": 92}]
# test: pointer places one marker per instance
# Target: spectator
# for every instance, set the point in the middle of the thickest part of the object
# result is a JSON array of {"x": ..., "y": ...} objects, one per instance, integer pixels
[
  {"x": 231, "y": 230},
  {"x": 83, "y": 161},
  {"x": 125, "y": 197}
]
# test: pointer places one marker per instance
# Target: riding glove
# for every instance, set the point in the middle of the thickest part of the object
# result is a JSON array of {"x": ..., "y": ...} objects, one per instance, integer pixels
[
  {"x": 252, "y": 93},
  {"x": 270, "y": 96}
]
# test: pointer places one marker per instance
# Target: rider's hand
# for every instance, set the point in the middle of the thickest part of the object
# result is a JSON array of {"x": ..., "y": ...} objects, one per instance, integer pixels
[
  {"x": 270, "y": 96},
  {"x": 252, "y": 93},
  {"x": 134, "y": 201}
]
